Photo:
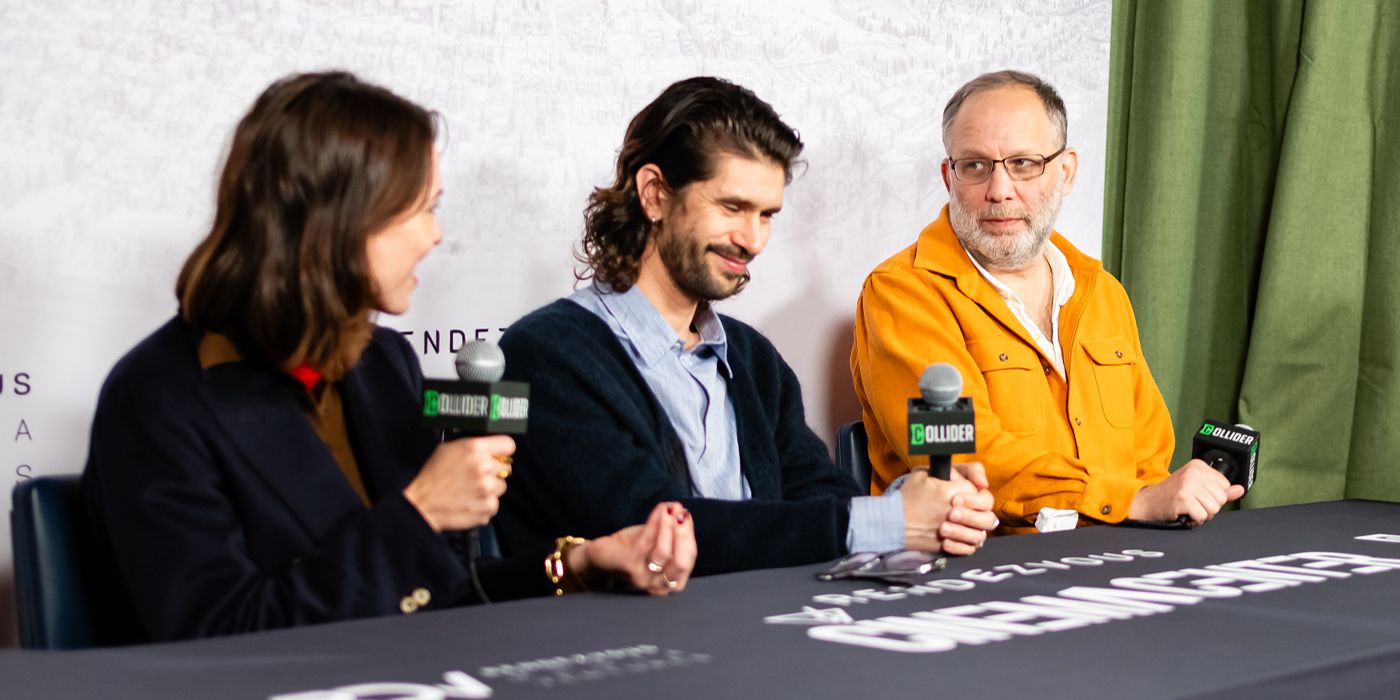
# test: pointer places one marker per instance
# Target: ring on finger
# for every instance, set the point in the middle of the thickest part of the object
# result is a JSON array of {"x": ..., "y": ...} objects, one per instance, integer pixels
[
  {"x": 504, "y": 473},
  {"x": 669, "y": 583},
  {"x": 654, "y": 567}
]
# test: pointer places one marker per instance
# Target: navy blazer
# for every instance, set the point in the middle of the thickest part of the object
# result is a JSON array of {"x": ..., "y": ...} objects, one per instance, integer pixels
[{"x": 225, "y": 512}]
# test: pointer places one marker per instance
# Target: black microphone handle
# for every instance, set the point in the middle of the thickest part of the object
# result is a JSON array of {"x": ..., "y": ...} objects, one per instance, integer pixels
[
  {"x": 940, "y": 466},
  {"x": 1218, "y": 460},
  {"x": 473, "y": 552}
]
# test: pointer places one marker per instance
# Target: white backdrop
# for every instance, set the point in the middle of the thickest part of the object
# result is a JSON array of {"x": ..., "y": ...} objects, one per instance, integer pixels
[{"x": 114, "y": 118}]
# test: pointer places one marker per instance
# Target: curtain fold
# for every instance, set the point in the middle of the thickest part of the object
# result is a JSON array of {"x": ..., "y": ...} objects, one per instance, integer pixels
[{"x": 1252, "y": 210}]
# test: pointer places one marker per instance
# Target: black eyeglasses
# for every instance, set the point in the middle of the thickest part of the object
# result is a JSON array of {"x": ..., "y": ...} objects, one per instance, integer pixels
[
  {"x": 972, "y": 171},
  {"x": 899, "y": 567}
]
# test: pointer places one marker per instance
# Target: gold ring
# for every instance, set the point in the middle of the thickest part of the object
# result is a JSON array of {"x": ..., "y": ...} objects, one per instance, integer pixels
[
  {"x": 504, "y": 459},
  {"x": 503, "y": 474}
]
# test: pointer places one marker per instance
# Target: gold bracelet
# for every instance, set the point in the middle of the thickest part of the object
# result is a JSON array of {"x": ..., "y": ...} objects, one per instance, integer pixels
[{"x": 554, "y": 567}]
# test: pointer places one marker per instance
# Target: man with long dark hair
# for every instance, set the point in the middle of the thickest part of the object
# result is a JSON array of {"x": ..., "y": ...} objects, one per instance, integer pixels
[{"x": 642, "y": 393}]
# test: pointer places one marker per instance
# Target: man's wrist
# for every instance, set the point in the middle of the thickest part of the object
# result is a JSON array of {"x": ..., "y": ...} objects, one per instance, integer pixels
[{"x": 1138, "y": 504}]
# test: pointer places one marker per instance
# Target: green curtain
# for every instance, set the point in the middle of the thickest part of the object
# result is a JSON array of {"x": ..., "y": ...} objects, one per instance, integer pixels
[{"x": 1252, "y": 210}]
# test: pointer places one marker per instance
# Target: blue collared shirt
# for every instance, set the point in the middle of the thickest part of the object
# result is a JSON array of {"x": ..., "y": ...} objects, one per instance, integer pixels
[{"x": 692, "y": 387}]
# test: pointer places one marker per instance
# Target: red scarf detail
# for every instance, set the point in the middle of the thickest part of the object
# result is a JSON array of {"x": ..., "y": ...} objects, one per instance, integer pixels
[{"x": 306, "y": 375}]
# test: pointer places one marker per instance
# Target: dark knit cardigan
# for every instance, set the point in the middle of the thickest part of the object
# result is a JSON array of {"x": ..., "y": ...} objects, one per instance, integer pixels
[{"x": 601, "y": 451}]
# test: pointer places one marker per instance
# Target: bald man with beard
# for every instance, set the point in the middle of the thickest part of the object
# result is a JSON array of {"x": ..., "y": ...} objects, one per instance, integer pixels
[{"x": 1068, "y": 415}]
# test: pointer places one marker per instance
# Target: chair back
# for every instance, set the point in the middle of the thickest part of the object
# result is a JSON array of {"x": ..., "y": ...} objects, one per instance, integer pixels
[
  {"x": 852, "y": 453},
  {"x": 65, "y": 593}
]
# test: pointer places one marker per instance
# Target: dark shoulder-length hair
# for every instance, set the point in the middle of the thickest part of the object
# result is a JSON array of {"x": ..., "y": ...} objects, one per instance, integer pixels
[
  {"x": 682, "y": 132},
  {"x": 321, "y": 161}
]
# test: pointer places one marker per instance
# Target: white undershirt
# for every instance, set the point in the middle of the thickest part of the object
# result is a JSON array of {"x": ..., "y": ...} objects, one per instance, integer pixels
[{"x": 1062, "y": 279}]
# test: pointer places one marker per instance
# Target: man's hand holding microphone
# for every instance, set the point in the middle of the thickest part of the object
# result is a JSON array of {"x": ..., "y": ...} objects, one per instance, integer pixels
[
  {"x": 1225, "y": 459},
  {"x": 948, "y": 506}
]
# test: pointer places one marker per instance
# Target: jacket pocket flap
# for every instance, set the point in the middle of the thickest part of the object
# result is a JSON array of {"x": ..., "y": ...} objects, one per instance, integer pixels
[
  {"x": 1111, "y": 351},
  {"x": 994, "y": 355}
]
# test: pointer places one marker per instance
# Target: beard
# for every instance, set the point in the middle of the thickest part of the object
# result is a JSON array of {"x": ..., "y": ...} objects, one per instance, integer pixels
[
  {"x": 684, "y": 258},
  {"x": 1006, "y": 251}
]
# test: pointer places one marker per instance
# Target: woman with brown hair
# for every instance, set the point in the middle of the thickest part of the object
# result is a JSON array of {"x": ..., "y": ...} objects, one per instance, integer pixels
[{"x": 258, "y": 461}]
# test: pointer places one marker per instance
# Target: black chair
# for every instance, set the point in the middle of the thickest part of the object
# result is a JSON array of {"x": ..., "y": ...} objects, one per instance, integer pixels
[
  {"x": 853, "y": 454},
  {"x": 65, "y": 592}
]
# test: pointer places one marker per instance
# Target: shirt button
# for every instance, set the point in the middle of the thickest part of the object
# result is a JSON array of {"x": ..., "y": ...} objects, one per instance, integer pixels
[
  {"x": 1118, "y": 353},
  {"x": 1078, "y": 422},
  {"x": 1106, "y": 510},
  {"x": 1047, "y": 369},
  {"x": 1002, "y": 357},
  {"x": 408, "y": 605}
]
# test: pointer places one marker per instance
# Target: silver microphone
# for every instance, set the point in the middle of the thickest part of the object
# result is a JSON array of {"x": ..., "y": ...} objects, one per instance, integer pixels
[
  {"x": 481, "y": 361},
  {"x": 941, "y": 385}
]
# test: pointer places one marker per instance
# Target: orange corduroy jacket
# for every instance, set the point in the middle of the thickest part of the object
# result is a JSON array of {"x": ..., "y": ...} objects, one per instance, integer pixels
[{"x": 1087, "y": 443}]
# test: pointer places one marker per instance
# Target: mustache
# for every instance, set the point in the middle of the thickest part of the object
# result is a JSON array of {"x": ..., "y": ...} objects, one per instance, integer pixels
[
  {"x": 733, "y": 252},
  {"x": 1003, "y": 211}
]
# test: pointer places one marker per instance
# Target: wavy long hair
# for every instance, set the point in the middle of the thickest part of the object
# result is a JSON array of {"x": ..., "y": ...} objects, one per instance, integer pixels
[
  {"x": 682, "y": 132},
  {"x": 321, "y": 161}
]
